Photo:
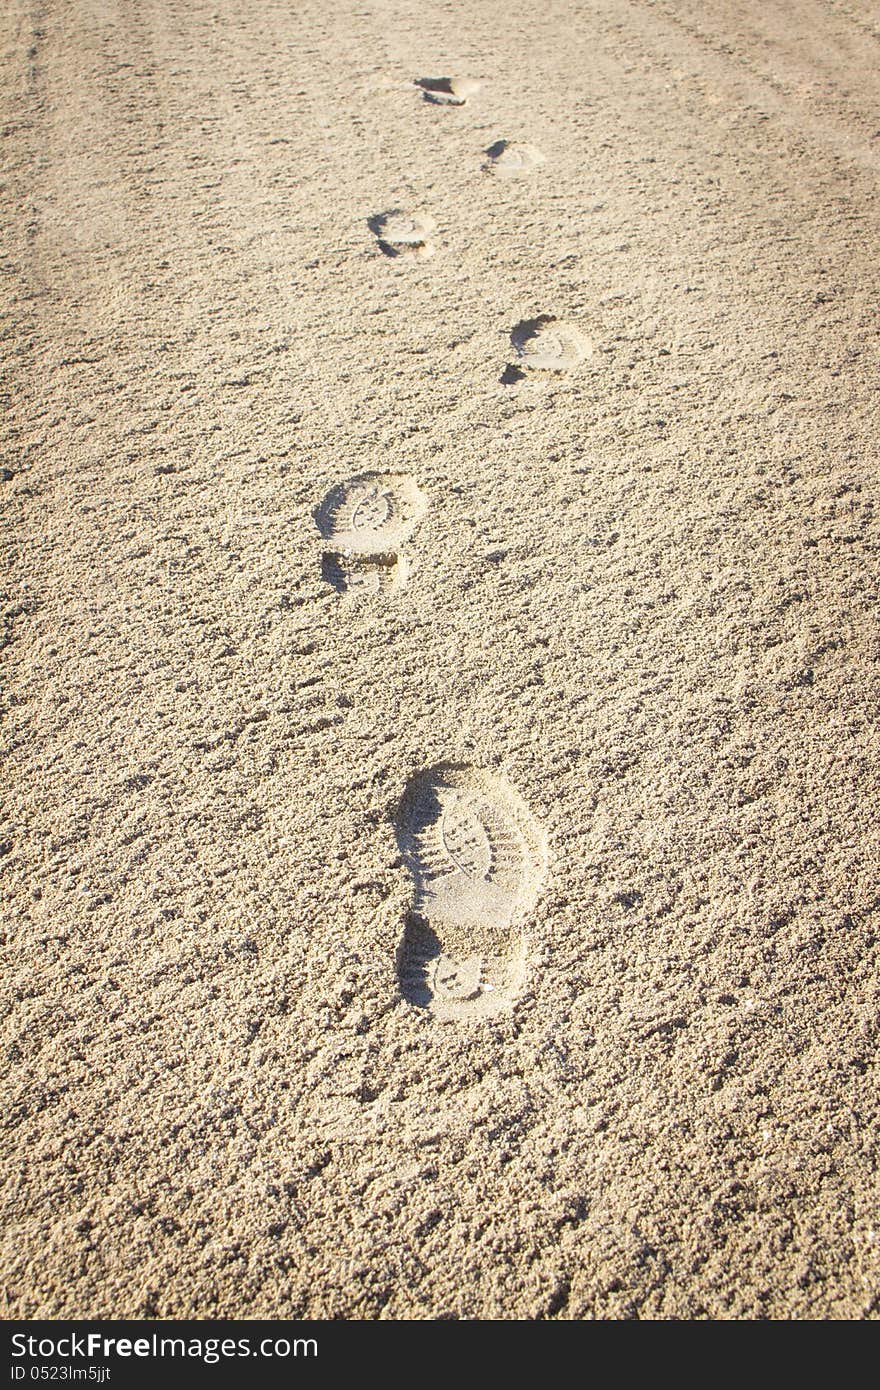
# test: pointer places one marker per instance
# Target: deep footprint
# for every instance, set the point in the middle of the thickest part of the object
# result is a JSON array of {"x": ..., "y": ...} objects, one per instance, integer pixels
[
  {"x": 448, "y": 91},
  {"x": 477, "y": 858}
]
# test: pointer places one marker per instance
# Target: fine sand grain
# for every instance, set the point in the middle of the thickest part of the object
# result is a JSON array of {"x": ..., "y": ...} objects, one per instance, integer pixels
[{"x": 441, "y": 825}]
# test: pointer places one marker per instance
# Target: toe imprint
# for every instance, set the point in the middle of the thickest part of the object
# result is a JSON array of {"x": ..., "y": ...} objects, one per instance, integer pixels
[{"x": 371, "y": 513}]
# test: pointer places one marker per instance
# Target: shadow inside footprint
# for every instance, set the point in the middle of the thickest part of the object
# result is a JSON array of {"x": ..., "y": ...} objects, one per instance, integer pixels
[
  {"x": 527, "y": 329},
  {"x": 448, "y": 91},
  {"x": 524, "y": 331},
  {"x": 376, "y": 224},
  {"x": 333, "y": 573},
  {"x": 435, "y": 84},
  {"x": 417, "y": 956}
]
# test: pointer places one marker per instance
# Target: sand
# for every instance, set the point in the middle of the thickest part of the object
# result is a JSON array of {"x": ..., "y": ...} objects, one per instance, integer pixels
[{"x": 642, "y": 595}]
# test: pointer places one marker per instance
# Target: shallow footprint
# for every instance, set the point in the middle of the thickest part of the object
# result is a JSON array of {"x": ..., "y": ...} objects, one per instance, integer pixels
[
  {"x": 477, "y": 858},
  {"x": 511, "y": 159},
  {"x": 403, "y": 234},
  {"x": 448, "y": 91},
  {"x": 372, "y": 513},
  {"x": 547, "y": 344}
]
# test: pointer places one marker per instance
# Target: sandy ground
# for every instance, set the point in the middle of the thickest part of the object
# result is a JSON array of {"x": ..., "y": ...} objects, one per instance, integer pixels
[{"x": 640, "y": 619}]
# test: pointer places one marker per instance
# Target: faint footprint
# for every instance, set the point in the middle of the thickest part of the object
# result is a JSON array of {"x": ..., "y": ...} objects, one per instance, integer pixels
[
  {"x": 448, "y": 91},
  {"x": 401, "y": 233},
  {"x": 365, "y": 521},
  {"x": 511, "y": 159},
  {"x": 547, "y": 344},
  {"x": 477, "y": 859}
]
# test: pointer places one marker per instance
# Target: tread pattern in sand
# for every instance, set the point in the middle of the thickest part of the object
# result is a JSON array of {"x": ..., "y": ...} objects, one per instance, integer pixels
[
  {"x": 372, "y": 513},
  {"x": 476, "y": 856}
]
